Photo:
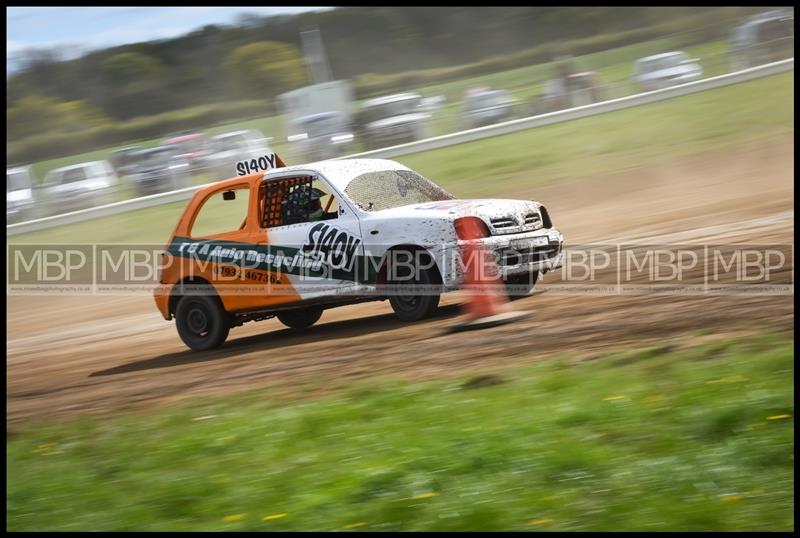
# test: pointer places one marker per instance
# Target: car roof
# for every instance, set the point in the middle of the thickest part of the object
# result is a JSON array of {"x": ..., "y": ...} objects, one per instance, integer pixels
[
  {"x": 156, "y": 149},
  {"x": 232, "y": 133},
  {"x": 14, "y": 169},
  {"x": 770, "y": 15},
  {"x": 319, "y": 116},
  {"x": 127, "y": 148},
  {"x": 76, "y": 166},
  {"x": 661, "y": 56},
  {"x": 391, "y": 99},
  {"x": 184, "y": 137},
  {"x": 340, "y": 172},
  {"x": 486, "y": 92}
]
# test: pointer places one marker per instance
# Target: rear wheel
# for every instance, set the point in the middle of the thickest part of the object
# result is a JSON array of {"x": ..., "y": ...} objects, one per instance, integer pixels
[
  {"x": 300, "y": 319},
  {"x": 411, "y": 304},
  {"x": 202, "y": 322},
  {"x": 520, "y": 286}
]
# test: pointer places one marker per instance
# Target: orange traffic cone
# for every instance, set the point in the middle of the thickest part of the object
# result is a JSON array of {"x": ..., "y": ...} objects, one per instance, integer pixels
[{"x": 488, "y": 304}]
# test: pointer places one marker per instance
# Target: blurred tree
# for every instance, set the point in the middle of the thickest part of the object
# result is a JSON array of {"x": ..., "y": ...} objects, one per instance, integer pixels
[
  {"x": 266, "y": 68},
  {"x": 132, "y": 67},
  {"x": 31, "y": 115},
  {"x": 134, "y": 81},
  {"x": 34, "y": 114},
  {"x": 79, "y": 115}
]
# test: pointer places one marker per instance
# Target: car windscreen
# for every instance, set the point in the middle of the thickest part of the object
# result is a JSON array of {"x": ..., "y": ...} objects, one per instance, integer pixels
[
  {"x": 191, "y": 146},
  {"x": 157, "y": 157},
  {"x": 321, "y": 125},
  {"x": 386, "y": 189},
  {"x": 669, "y": 61},
  {"x": 391, "y": 109},
  {"x": 17, "y": 180},
  {"x": 73, "y": 176},
  {"x": 488, "y": 99},
  {"x": 230, "y": 143}
]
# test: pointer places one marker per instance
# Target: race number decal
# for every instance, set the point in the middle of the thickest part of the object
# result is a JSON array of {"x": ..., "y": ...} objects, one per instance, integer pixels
[
  {"x": 257, "y": 164},
  {"x": 337, "y": 248}
]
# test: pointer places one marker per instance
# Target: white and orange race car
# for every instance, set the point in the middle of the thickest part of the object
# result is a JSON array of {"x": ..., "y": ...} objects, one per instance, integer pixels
[{"x": 292, "y": 241}]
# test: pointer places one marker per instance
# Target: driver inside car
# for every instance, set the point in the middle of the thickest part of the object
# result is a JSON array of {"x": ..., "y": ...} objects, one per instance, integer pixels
[{"x": 303, "y": 205}]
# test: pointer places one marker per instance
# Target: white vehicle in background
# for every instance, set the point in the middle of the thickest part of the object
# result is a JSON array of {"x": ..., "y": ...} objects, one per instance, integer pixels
[
  {"x": 20, "y": 200},
  {"x": 665, "y": 70},
  {"x": 484, "y": 106},
  {"x": 333, "y": 96},
  {"x": 393, "y": 119},
  {"x": 226, "y": 149},
  {"x": 763, "y": 38},
  {"x": 433, "y": 103},
  {"x": 80, "y": 186},
  {"x": 321, "y": 136},
  {"x": 318, "y": 118}
]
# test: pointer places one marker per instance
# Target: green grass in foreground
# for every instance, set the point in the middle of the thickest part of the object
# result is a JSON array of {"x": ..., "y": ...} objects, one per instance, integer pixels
[
  {"x": 649, "y": 439},
  {"x": 517, "y": 163}
]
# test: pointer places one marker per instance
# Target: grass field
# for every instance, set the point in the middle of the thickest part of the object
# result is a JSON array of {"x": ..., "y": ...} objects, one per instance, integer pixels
[
  {"x": 614, "y": 67},
  {"x": 589, "y": 147},
  {"x": 651, "y": 439}
]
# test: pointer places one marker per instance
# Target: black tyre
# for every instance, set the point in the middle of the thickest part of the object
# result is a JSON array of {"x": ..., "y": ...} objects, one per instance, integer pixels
[
  {"x": 300, "y": 319},
  {"x": 413, "y": 305},
  {"x": 520, "y": 286},
  {"x": 202, "y": 322}
]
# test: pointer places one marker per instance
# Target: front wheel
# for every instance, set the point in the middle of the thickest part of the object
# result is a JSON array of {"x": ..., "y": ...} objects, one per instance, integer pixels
[
  {"x": 520, "y": 286},
  {"x": 202, "y": 322},
  {"x": 300, "y": 319},
  {"x": 411, "y": 304}
]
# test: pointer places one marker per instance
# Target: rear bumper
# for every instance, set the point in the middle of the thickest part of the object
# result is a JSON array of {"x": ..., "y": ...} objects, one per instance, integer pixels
[{"x": 161, "y": 296}]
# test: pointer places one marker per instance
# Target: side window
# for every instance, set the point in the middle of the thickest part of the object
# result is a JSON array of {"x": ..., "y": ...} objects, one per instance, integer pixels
[
  {"x": 223, "y": 211},
  {"x": 328, "y": 202},
  {"x": 297, "y": 200},
  {"x": 74, "y": 175}
]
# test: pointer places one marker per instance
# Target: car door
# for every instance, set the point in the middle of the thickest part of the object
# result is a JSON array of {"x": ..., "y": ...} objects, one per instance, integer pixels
[
  {"x": 320, "y": 256},
  {"x": 219, "y": 243}
]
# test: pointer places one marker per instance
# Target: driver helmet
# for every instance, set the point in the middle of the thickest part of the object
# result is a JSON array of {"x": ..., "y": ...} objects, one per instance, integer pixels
[{"x": 302, "y": 204}]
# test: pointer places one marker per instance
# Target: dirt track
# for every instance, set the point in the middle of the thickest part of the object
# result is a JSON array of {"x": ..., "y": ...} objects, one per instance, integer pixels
[{"x": 70, "y": 355}]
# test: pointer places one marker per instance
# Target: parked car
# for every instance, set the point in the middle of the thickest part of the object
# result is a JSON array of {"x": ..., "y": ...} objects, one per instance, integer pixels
[
  {"x": 294, "y": 241},
  {"x": 763, "y": 38},
  {"x": 665, "y": 70},
  {"x": 484, "y": 106},
  {"x": 124, "y": 159},
  {"x": 20, "y": 198},
  {"x": 192, "y": 147},
  {"x": 226, "y": 149},
  {"x": 157, "y": 170},
  {"x": 321, "y": 136},
  {"x": 393, "y": 119},
  {"x": 79, "y": 186}
]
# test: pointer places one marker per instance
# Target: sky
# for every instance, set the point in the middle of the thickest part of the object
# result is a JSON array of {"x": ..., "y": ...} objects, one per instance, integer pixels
[{"x": 80, "y": 29}]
